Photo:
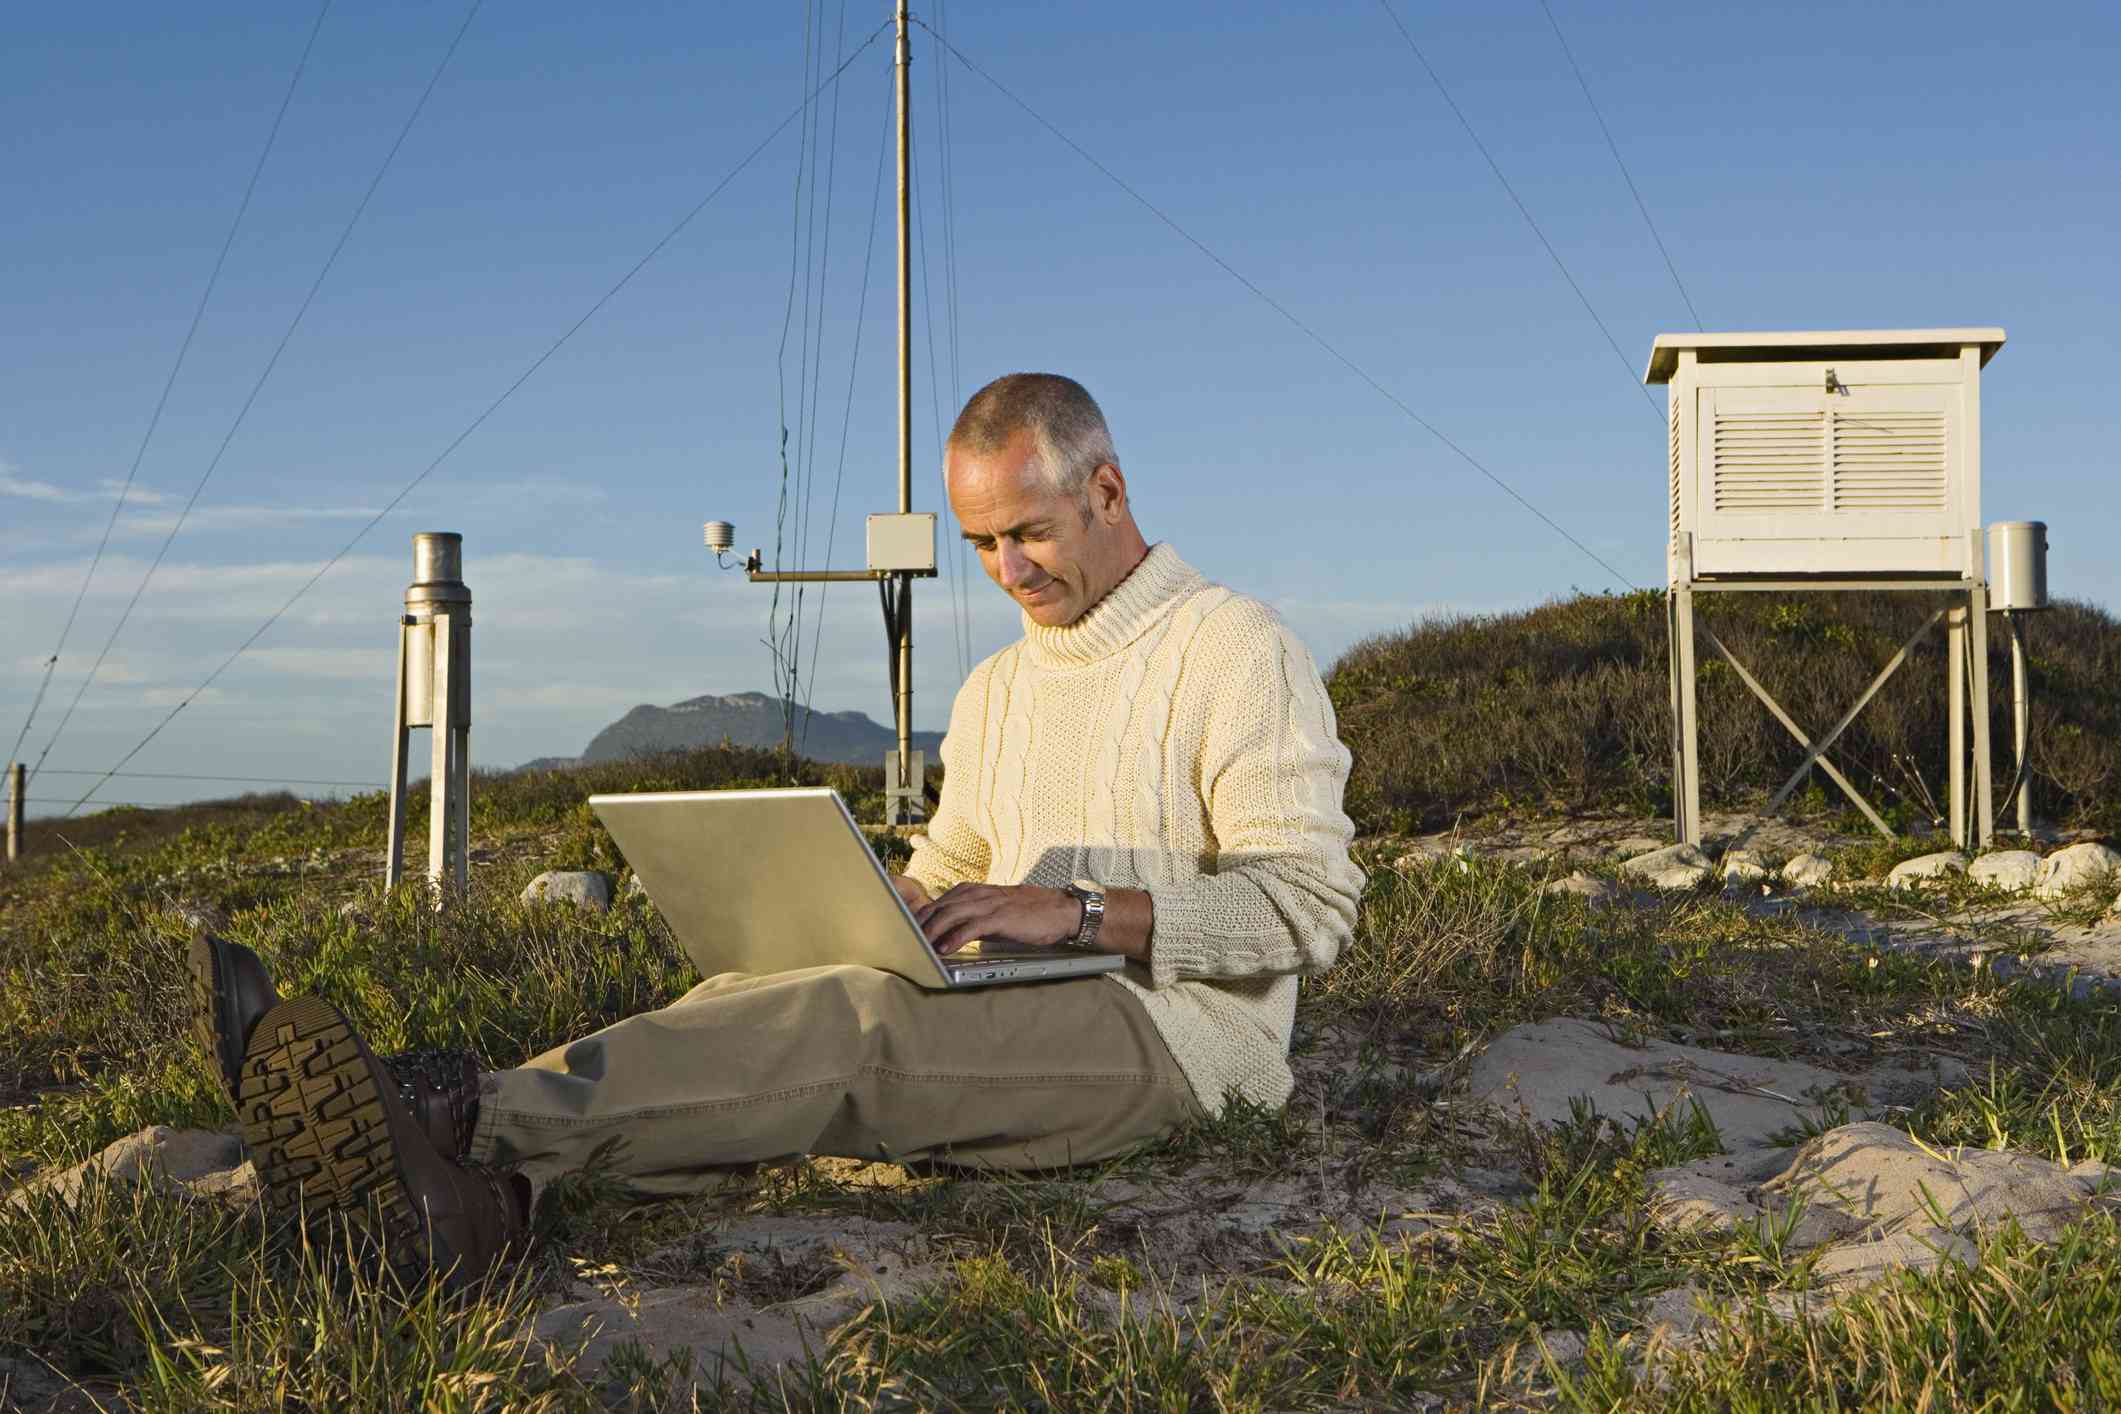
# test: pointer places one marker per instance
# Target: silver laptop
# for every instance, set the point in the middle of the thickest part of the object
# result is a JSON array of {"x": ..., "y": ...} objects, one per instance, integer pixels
[{"x": 773, "y": 880}]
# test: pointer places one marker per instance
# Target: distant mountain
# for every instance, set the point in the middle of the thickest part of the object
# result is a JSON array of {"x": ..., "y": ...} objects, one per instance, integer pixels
[{"x": 750, "y": 719}]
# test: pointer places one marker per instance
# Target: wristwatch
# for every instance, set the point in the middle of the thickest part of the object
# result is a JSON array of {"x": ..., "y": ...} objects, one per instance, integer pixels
[{"x": 1092, "y": 898}]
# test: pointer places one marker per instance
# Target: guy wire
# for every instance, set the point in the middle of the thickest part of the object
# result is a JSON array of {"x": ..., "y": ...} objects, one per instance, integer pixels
[
  {"x": 271, "y": 362},
  {"x": 611, "y": 293},
  {"x": 1621, "y": 162},
  {"x": 854, "y": 364},
  {"x": 778, "y": 638},
  {"x": 1283, "y": 310},
  {"x": 1522, "y": 210},
  {"x": 935, "y": 406},
  {"x": 154, "y": 420}
]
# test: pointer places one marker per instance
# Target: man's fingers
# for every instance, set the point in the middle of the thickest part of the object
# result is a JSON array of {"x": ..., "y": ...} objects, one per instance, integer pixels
[{"x": 956, "y": 919}]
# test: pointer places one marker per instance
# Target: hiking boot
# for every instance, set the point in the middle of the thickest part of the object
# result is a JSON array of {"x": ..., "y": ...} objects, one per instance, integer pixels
[
  {"x": 230, "y": 990},
  {"x": 441, "y": 1089},
  {"x": 328, "y": 1130}
]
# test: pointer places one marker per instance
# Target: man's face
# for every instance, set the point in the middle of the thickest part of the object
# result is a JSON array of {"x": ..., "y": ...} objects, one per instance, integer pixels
[{"x": 1033, "y": 543}]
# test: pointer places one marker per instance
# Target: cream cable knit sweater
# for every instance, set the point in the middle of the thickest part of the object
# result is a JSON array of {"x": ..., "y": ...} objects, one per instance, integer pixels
[{"x": 1177, "y": 739}]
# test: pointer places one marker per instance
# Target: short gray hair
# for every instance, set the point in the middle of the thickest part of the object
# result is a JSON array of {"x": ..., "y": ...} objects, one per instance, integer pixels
[{"x": 1064, "y": 421}]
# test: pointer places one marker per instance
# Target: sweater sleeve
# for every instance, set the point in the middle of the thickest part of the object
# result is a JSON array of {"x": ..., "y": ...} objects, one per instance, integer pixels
[
  {"x": 1279, "y": 894},
  {"x": 952, "y": 851}
]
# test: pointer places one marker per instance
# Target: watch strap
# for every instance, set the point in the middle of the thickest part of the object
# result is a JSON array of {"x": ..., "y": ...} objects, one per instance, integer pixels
[{"x": 1092, "y": 899}]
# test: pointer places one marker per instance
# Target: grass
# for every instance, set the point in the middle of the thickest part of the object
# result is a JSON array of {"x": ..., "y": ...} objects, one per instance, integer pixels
[{"x": 1050, "y": 1292}]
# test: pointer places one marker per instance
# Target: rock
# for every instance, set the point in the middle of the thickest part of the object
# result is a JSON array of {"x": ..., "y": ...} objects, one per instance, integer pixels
[
  {"x": 2099, "y": 1179},
  {"x": 167, "y": 1158},
  {"x": 1863, "y": 1263},
  {"x": 1562, "y": 1347},
  {"x": 780, "y": 1285},
  {"x": 198, "y": 915},
  {"x": 1808, "y": 871},
  {"x": 237, "y": 1185},
  {"x": 1913, "y": 873},
  {"x": 1680, "y": 877},
  {"x": 729, "y": 1339},
  {"x": 2081, "y": 866},
  {"x": 30, "y": 1384},
  {"x": 1597, "y": 892},
  {"x": 1890, "y": 1184},
  {"x": 1686, "y": 1202},
  {"x": 1660, "y": 861},
  {"x": 584, "y": 888},
  {"x": 1539, "y": 1067},
  {"x": 2012, "y": 870},
  {"x": 1744, "y": 866},
  {"x": 1634, "y": 845},
  {"x": 1672, "y": 1317}
]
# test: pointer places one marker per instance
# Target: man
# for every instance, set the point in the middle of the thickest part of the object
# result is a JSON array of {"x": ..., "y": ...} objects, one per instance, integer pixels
[{"x": 1154, "y": 744}]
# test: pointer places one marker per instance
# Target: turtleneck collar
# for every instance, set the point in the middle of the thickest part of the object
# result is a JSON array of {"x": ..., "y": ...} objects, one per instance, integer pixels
[{"x": 1132, "y": 607}]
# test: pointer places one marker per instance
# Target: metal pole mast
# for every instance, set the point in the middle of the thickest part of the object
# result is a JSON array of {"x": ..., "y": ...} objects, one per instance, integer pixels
[
  {"x": 904, "y": 58},
  {"x": 901, "y": 546}
]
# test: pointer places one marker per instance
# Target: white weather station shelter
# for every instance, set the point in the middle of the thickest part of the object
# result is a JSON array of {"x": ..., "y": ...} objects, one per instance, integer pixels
[{"x": 1841, "y": 461}]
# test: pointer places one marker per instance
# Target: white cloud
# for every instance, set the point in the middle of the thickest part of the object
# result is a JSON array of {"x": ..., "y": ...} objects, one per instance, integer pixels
[
  {"x": 105, "y": 493},
  {"x": 207, "y": 519},
  {"x": 13, "y": 485}
]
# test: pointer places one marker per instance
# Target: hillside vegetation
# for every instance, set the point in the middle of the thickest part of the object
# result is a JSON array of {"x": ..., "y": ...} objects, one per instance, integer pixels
[{"x": 1566, "y": 707}]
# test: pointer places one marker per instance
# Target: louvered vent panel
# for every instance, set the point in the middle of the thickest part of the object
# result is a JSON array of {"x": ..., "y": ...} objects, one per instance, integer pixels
[
  {"x": 1675, "y": 466},
  {"x": 1769, "y": 462},
  {"x": 1889, "y": 461}
]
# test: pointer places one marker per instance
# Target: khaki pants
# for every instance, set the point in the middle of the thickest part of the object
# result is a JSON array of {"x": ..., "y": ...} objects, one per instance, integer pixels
[{"x": 844, "y": 1061}]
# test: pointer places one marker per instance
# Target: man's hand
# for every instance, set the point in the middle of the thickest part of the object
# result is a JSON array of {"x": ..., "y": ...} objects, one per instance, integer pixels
[
  {"x": 912, "y": 891},
  {"x": 1007, "y": 913}
]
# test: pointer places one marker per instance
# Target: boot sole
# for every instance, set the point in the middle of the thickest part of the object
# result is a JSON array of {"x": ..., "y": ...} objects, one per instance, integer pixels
[
  {"x": 214, "y": 1023},
  {"x": 317, "y": 1128}
]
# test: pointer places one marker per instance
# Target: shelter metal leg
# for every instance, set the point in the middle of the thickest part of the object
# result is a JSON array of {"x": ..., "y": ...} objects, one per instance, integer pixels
[
  {"x": 1687, "y": 790},
  {"x": 1984, "y": 763},
  {"x": 1955, "y": 738},
  {"x": 1848, "y": 788},
  {"x": 1678, "y": 715}
]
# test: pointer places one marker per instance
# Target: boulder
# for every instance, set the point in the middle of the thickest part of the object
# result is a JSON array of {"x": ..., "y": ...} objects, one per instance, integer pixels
[
  {"x": 1681, "y": 877},
  {"x": 2011, "y": 870},
  {"x": 1671, "y": 1318},
  {"x": 1661, "y": 861},
  {"x": 1537, "y": 1069},
  {"x": 1808, "y": 871},
  {"x": 1744, "y": 866},
  {"x": 2081, "y": 866},
  {"x": 1928, "y": 868},
  {"x": 584, "y": 888},
  {"x": 1688, "y": 1202},
  {"x": 196, "y": 915},
  {"x": 167, "y": 1158},
  {"x": 1863, "y": 1263},
  {"x": 1890, "y": 1184},
  {"x": 1634, "y": 845},
  {"x": 1597, "y": 892}
]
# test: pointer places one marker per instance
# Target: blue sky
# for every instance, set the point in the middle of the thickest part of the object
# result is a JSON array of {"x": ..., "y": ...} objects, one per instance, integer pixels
[{"x": 1809, "y": 166}]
